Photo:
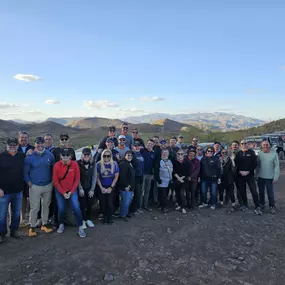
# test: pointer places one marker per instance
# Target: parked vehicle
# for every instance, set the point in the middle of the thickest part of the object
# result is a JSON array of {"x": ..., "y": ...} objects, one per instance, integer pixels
[{"x": 278, "y": 141}]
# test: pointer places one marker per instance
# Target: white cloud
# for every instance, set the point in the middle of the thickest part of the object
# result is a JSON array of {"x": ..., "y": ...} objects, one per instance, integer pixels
[
  {"x": 4, "y": 105},
  {"x": 152, "y": 99},
  {"x": 51, "y": 102},
  {"x": 100, "y": 104},
  {"x": 131, "y": 99},
  {"x": 132, "y": 110},
  {"x": 27, "y": 77}
]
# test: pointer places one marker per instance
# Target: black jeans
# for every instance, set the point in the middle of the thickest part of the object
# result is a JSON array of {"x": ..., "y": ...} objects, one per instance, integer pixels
[
  {"x": 262, "y": 183},
  {"x": 179, "y": 191},
  {"x": 162, "y": 196},
  {"x": 86, "y": 205},
  {"x": 239, "y": 198},
  {"x": 106, "y": 201},
  {"x": 138, "y": 192},
  {"x": 250, "y": 181},
  {"x": 191, "y": 194},
  {"x": 229, "y": 189}
]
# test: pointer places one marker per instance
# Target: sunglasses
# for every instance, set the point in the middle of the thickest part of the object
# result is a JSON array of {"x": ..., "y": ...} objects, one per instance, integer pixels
[
  {"x": 224, "y": 152},
  {"x": 129, "y": 155},
  {"x": 12, "y": 144},
  {"x": 86, "y": 154},
  {"x": 209, "y": 151},
  {"x": 243, "y": 143},
  {"x": 65, "y": 155},
  {"x": 199, "y": 149},
  {"x": 125, "y": 128},
  {"x": 180, "y": 153},
  {"x": 135, "y": 132},
  {"x": 123, "y": 140},
  {"x": 64, "y": 140},
  {"x": 106, "y": 156}
]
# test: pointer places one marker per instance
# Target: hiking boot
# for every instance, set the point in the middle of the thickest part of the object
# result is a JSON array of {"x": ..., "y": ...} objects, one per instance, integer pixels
[
  {"x": 16, "y": 234},
  {"x": 90, "y": 224},
  {"x": 60, "y": 229},
  {"x": 81, "y": 232},
  {"x": 273, "y": 210},
  {"x": 221, "y": 203},
  {"x": 257, "y": 211},
  {"x": 45, "y": 229},
  {"x": 3, "y": 238},
  {"x": 84, "y": 227},
  {"x": 156, "y": 205},
  {"x": 203, "y": 206},
  {"x": 32, "y": 232}
]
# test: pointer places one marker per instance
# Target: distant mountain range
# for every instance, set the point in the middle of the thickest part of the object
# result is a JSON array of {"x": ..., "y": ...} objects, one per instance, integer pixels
[{"x": 206, "y": 121}]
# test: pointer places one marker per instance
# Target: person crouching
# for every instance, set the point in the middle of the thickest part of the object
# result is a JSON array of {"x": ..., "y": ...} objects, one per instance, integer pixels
[
  {"x": 88, "y": 179},
  {"x": 66, "y": 177},
  {"x": 126, "y": 184}
]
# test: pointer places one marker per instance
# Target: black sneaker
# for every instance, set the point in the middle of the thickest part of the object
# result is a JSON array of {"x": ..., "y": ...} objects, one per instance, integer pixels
[
  {"x": 125, "y": 219},
  {"x": 148, "y": 209},
  {"x": 262, "y": 207},
  {"x": 110, "y": 222},
  {"x": 16, "y": 234},
  {"x": 156, "y": 205},
  {"x": 165, "y": 210},
  {"x": 105, "y": 221},
  {"x": 273, "y": 210},
  {"x": 129, "y": 216},
  {"x": 3, "y": 239}
]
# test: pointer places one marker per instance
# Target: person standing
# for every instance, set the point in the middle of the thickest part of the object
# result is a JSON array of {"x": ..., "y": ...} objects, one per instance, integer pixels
[
  {"x": 111, "y": 146},
  {"x": 180, "y": 143},
  {"x": 194, "y": 144},
  {"x": 122, "y": 148},
  {"x": 149, "y": 161},
  {"x": 173, "y": 148},
  {"x": 163, "y": 176},
  {"x": 267, "y": 172},
  {"x": 129, "y": 138},
  {"x": 136, "y": 138},
  {"x": 111, "y": 135},
  {"x": 66, "y": 178},
  {"x": 139, "y": 171},
  {"x": 217, "y": 149},
  {"x": 64, "y": 142},
  {"x": 49, "y": 142},
  {"x": 210, "y": 177},
  {"x": 24, "y": 147},
  {"x": 126, "y": 184},
  {"x": 227, "y": 181},
  {"x": 11, "y": 188},
  {"x": 246, "y": 163},
  {"x": 107, "y": 177},
  {"x": 88, "y": 180},
  {"x": 192, "y": 192},
  {"x": 181, "y": 173},
  {"x": 38, "y": 175}
]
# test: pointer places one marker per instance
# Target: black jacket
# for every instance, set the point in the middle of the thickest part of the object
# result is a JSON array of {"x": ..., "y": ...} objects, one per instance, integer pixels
[
  {"x": 87, "y": 174},
  {"x": 181, "y": 169},
  {"x": 27, "y": 149},
  {"x": 173, "y": 152},
  {"x": 210, "y": 168},
  {"x": 12, "y": 172},
  {"x": 102, "y": 143},
  {"x": 127, "y": 175},
  {"x": 227, "y": 171},
  {"x": 57, "y": 150},
  {"x": 246, "y": 161}
]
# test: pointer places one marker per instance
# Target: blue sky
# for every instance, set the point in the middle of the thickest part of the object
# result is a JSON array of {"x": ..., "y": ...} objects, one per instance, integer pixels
[{"x": 115, "y": 58}]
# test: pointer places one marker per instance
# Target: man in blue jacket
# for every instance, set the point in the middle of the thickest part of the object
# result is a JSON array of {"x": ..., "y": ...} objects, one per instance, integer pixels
[
  {"x": 149, "y": 161},
  {"x": 38, "y": 175}
]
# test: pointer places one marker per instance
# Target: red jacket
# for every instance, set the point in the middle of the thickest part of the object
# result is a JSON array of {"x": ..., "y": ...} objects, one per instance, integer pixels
[{"x": 72, "y": 179}]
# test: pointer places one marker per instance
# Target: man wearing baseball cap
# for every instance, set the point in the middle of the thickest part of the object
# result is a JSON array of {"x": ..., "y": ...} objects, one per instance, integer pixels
[
  {"x": 180, "y": 143},
  {"x": 122, "y": 148},
  {"x": 111, "y": 135},
  {"x": 11, "y": 188},
  {"x": 129, "y": 138},
  {"x": 38, "y": 175},
  {"x": 64, "y": 142},
  {"x": 110, "y": 146}
]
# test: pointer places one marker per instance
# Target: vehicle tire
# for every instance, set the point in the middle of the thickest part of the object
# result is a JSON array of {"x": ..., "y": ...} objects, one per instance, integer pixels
[
  {"x": 69, "y": 217},
  {"x": 281, "y": 155}
]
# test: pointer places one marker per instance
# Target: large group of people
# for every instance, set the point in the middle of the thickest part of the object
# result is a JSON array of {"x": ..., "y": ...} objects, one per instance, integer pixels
[{"x": 129, "y": 177}]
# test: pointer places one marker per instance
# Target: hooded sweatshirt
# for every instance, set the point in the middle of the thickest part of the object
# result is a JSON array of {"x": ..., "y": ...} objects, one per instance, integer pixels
[{"x": 72, "y": 179}]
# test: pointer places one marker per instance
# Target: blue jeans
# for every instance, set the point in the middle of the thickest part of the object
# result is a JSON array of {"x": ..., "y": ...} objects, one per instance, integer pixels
[
  {"x": 126, "y": 199},
  {"x": 16, "y": 204},
  {"x": 262, "y": 183},
  {"x": 61, "y": 202},
  {"x": 213, "y": 190}
]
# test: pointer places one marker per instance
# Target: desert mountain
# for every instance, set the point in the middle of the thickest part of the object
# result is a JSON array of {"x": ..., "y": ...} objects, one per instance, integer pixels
[{"x": 207, "y": 121}]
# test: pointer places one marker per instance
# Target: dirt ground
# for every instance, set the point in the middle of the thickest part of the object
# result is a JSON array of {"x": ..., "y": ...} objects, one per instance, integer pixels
[{"x": 201, "y": 247}]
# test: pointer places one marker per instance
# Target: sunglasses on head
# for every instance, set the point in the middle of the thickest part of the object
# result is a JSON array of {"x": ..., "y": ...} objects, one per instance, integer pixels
[{"x": 106, "y": 156}]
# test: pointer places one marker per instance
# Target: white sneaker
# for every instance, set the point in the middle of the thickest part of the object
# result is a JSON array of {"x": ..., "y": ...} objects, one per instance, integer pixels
[
  {"x": 203, "y": 206},
  {"x": 183, "y": 211},
  {"x": 60, "y": 229},
  {"x": 177, "y": 208},
  {"x": 90, "y": 224},
  {"x": 213, "y": 207},
  {"x": 84, "y": 227},
  {"x": 221, "y": 203}
]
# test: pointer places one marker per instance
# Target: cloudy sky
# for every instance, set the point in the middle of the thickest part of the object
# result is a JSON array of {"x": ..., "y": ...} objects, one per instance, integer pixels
[{"x": 118, "y": 58}]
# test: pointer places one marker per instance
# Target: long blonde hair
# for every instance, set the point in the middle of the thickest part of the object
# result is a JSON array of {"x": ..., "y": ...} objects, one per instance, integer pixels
[{"x": 102, "y": 164}]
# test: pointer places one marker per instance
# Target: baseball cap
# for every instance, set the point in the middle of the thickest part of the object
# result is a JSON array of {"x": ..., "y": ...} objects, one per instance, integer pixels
[
  {"x": 173, "y": 138},
  {"x": 217, "y": 143},
  {"x": 109, "y": 140},
  {"x": 39, "y": 140},
  {"x": 64, "y": 136},
  {"x": 137, "y": 143},
  {"x": 121, "y": 137},
  {"x": 12, "y": 141},
  {"x": 65, "y": 152},
  {"x": 86, "y": 150},
  {"x": 163, "y": 141},
  {"x": 181, "y": 136},
  {"x": 112, "y": 128},
  {"x": 191, "y": 150}
]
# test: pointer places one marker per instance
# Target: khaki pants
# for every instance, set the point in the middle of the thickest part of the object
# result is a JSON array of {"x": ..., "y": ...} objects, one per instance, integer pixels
[{"x": 40, "y": 195}]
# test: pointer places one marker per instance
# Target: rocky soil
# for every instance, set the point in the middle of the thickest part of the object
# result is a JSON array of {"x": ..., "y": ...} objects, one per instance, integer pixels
[{"x": 201, "y": 247}]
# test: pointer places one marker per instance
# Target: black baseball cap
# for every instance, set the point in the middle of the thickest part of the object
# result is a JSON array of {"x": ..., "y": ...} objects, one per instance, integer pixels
[
  {"x": 217, "y": 143},
  {"x": 163, "y": 141},
  {"x": 137, "y": 143},
  {"x": 173, "y": 138},
  {"x": 191, "y": 150},
  {"x": 65, "y": 152},
  {"x": 112, "y": 128},
  {"x": 64, "y": 136},
  {"x": 109, "y": 140},
  {"x": 12, "y": 141},
  {"x": 39, "y": 140},
  {"x": 86, "y": 150}
]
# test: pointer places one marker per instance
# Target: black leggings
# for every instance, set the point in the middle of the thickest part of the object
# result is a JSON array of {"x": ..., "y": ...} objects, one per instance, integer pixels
[
  {"x": 229, "y": 189},
  {"x": 162, "y": 196},
  {"x": 179, "y": 191},
  {"x": 86, "y": 205},
  {"x": 250, "y": 181},
  {"x": 106, "y": 202}
]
